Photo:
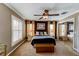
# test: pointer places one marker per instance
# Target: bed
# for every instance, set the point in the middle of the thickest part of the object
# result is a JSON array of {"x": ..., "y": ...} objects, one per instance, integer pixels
[{"x": 43, "y": 43}]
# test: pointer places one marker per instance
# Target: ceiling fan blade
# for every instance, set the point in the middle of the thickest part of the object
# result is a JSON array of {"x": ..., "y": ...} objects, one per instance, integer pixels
[
  {"x": 53, "y": 14},
  {"x": 40, "y": 18},
  {"x": 38, "y": 15},
  {"x": 63, "y": 13},
  {"x": 48, "y": 15}
]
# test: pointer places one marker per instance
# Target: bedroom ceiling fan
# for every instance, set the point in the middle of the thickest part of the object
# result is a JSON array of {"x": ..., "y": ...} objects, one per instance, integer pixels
[{"x": 46, "y": 14}]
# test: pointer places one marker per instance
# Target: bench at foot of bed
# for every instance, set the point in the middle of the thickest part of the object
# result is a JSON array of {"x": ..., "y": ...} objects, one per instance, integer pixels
[{"x": 44, "y": 48}]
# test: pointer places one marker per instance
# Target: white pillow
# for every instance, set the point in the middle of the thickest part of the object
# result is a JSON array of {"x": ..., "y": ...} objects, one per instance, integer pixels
[
  {"x": 45, "y": 33},
  {"x": 37, "y": 33}
]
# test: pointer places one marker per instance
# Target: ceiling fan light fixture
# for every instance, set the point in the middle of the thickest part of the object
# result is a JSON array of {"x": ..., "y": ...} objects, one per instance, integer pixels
[{"x": 45, "y": 17}]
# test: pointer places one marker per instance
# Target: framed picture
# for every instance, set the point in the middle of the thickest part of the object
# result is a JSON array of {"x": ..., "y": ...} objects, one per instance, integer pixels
[{"x": 40, "y": 26}]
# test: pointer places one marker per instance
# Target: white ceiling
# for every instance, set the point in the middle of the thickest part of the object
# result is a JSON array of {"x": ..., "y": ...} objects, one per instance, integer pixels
[{"x": 27, "y": 10}]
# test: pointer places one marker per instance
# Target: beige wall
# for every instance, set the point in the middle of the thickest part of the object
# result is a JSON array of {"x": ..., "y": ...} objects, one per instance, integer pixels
[
  {"x": 5, "y": 26},
  {"x": 76, "y": 30},
  {"x": 69, "y": 18}
]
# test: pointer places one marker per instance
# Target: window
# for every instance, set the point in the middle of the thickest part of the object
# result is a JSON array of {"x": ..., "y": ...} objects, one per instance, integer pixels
[
  {"x": 51, "y": 30},
  {"x": 63, "y": 30},
  {"x": 16, "y": 30}
]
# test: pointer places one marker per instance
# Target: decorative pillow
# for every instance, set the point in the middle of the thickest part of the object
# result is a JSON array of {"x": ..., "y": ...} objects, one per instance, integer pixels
[
  {"x": 37, "y": 33},
  {"x": 45, "y": 33},
  {"x": 41, "y": 33}
]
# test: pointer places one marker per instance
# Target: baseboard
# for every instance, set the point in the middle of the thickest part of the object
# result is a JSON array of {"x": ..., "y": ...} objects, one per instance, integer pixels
[
  {"x": 76, "y": 50},
  {"x": 15, "y": 48}
]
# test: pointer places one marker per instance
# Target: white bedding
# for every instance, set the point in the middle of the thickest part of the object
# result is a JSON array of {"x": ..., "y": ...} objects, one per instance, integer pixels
[{"x": 40, "y": 37}]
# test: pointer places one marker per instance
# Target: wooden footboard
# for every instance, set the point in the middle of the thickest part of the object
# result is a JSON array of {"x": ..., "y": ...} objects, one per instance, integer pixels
[{"x": 44, "y": 48}]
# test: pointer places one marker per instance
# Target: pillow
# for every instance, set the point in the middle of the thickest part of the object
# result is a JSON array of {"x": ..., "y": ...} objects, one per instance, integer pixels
[
  {"x": 41, "y": 33},
  {"x": 45, "y": 33},
  {"x": 37, "y": 33}
]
